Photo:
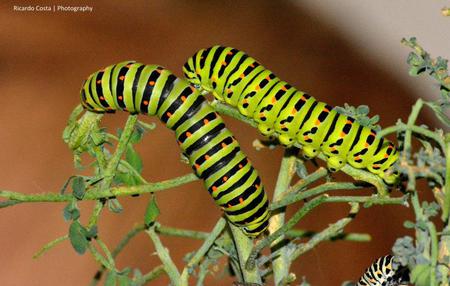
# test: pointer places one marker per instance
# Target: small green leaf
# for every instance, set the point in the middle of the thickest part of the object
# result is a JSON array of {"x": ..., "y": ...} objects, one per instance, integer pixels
[
  {"x": 409, "y": 224},
  {"x": 111, "y": 278},
  {"x": 133, "y": 158},
  {"x": 77, "y": 236},
  {"x": 152, "y": 211},
  {"x": 71, "y": 211},
  {"x": 114, "y": 206},
  {"x": 78, "y": 187},
  {"x": 362, "y": 109}
]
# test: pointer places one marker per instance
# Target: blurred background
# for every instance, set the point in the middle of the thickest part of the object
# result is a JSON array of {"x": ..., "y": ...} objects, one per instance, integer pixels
[{"x": 338, "y": 51}]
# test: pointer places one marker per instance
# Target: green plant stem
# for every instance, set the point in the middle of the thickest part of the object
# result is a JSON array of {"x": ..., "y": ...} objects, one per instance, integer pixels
[
  {"x": 446, "y": 210},
  {"x": 120, "y": 149},
  {"x": 411, "y": 120},
  {"x": 369, "y": 200},
  {"x": 207, "y": 244},
  {"x": 434, "y": 252},
  {"x": 311, "y": 178},
  {"x": 356, "y": 237},
  {"x": 152, "y": 275},
  {"x": 307, "y": 207},
  {"x": 95, "y": 193},
  {"x": 164, "y": 256},
  {"x": 295, "y": 197},
  {"x": 244, "y": 246},
  {"x": 130, "y": 235},
  {"x": 171, "y": 231},
  {"x": 280, "y": 264},
  {"x": 100, "y": 259},
  {"x": 415, "y": 129},
  {"x": 49, "y": 246},
  {"x": 326, "y": 234},
  {"x": 223, "y": 108}
]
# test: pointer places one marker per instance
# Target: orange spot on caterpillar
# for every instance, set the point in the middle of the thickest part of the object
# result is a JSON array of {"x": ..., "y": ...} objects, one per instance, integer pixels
[
  {"x": 245, "y": 101},
  {"x": 240, "y": 166},
  {"x": 343, "y": 134},
  {"x": 205, "y": 121},
  {"x": 214, "y": 188},
  {"x": 102, "y": 98},
  {"x": 257, "y": 88},
  {"x": 256, "y": 186},
  {"x": 252, "y": 65},
  {"x": 242, "y": 75},
  {"x": 188, "y": 134},
  {"x": 376, "y": 166},
  {"x": 326, "y": 110},
  {"x": 213, "y": 78},
  {"x": 128, "y": 65},
  {"x": 386, "y": 155},
  {"x": 283, "y": 88},
  {"x": 120, "y": 97},
  {"x": 229, "y": 205},
  {"x": 192, "y": 88},
  {"x": 179, "y": 142},
  {"x": 268, "y": 77},
  {"x": 145, "y": 102},
  {"x": 224, "y": 145},
  {"x": 168, "y": 114},
  {"x": 122, "y": 77},
  {"x": 302, "y": 98},
  {"x": 207, "y": 157},
  {"x": 183, "y": 98},
  {"x": 230, "y": 53},
  {"x": 283, "y": 126},
  {"x": 306, "y": 137},
  {"x": 229, "y": 90},
  {"x": 225, "y": 178},
  {"x": 241, "y": 200},
  {"x": 197, "y": 70},
  {"x": 318, "y": 122},
  {"x": 366, "y": 144},
  {"x": 152, "y": 83},
  {"x": 294, "y": 111},
  {"x": 99, "y": 81},
  {"x": 349, "y": 122},
  {"x": 197, "y": 166},
  {"x": 274, "y": 99},
  {"x": 224, "y": 63},
  {"x": 357, "y": 158}
]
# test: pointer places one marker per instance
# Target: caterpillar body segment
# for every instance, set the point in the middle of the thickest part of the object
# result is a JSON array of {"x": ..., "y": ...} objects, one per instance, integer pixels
[
  {"x": 213, "y": 152},
  {"x": 295, "y": 117},
  {"x": 382, "y": 273}
]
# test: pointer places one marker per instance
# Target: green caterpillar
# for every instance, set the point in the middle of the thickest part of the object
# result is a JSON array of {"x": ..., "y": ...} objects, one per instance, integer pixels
[
  {"x": 382, "y": 273},
  {"x": 295, "y": 117},
  {"x": 213, "y": 152}
]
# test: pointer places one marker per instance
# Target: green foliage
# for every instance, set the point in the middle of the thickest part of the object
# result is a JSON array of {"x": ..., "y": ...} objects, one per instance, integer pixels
[{"x": 361, "y": 114}]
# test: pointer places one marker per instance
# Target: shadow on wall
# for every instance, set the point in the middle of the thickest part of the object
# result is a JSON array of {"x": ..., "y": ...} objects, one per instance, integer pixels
[{"x": 46, "y": 57}]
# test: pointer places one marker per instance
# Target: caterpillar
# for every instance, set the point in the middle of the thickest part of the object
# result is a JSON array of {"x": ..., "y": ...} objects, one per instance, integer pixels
[
  {"x": 381, "y": 273},
  {"x": 211, "y": 148},
  {"x": 295, "y": 117}
]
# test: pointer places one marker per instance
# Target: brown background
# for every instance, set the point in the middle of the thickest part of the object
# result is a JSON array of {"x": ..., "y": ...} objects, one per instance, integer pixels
[{"x": 46, "y": 56}]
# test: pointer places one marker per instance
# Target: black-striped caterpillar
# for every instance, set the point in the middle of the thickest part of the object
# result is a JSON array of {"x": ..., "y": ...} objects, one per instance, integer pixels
[
  {"x": 382, "y": 273},
  {"x": 213, "y": 152},
  {"x": 295, "y": 117}
]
